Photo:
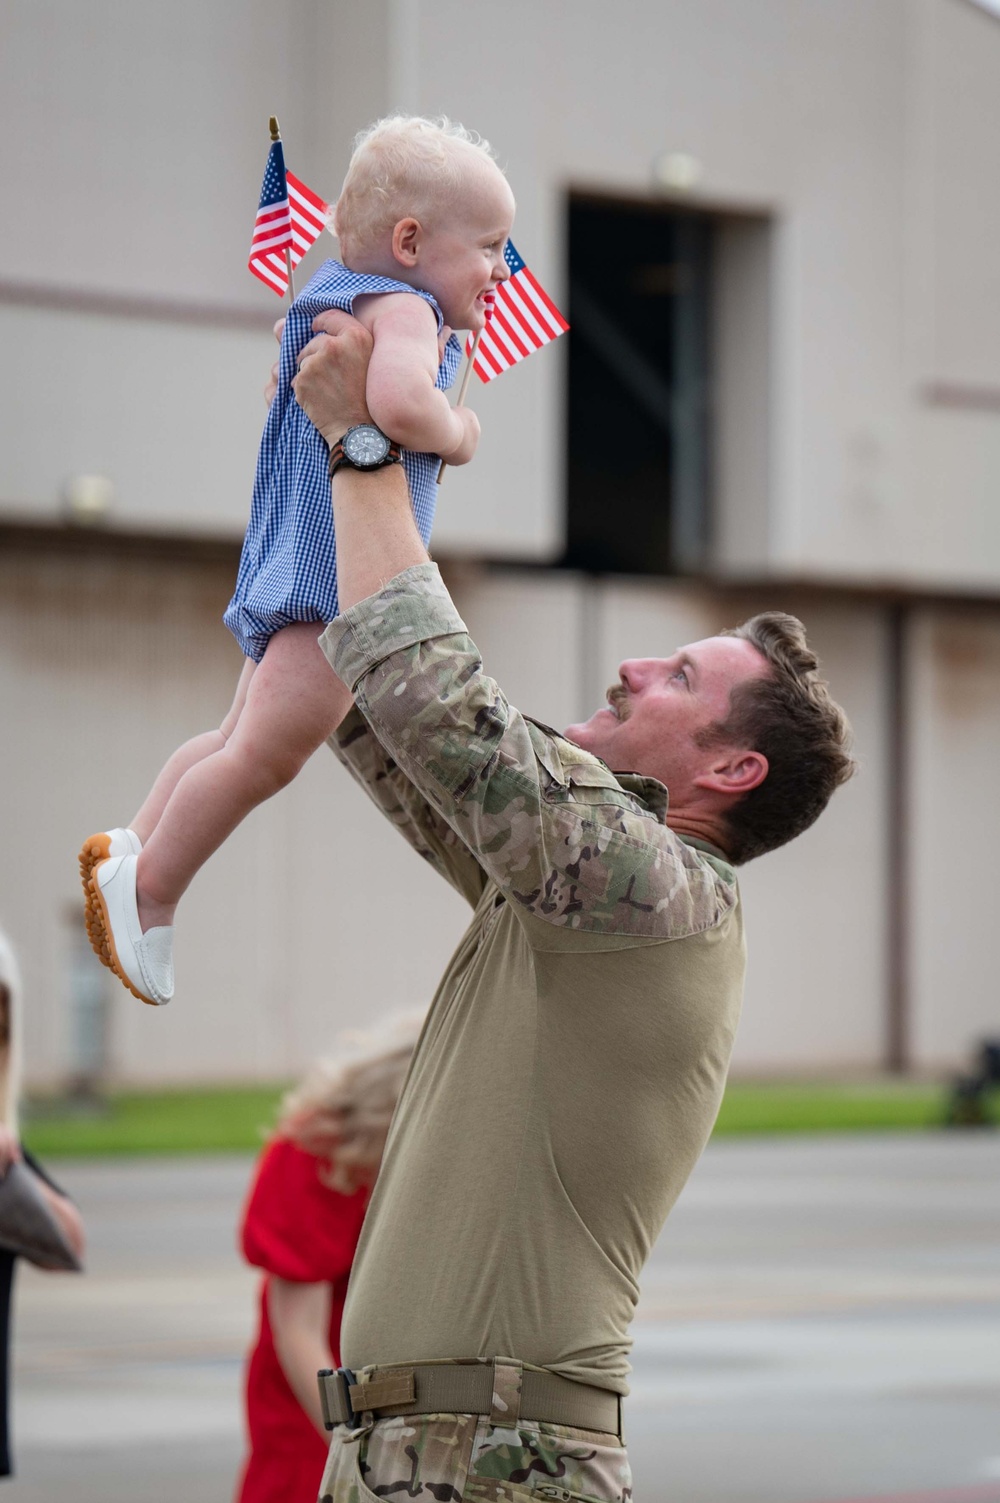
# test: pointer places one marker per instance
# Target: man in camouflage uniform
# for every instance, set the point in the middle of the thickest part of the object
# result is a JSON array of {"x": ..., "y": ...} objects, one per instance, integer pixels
[{"x": 575, "y": 1053}]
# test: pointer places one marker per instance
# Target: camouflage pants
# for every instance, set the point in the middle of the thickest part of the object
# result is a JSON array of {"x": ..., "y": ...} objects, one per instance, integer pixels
[{"x": 463, "y": 1458}]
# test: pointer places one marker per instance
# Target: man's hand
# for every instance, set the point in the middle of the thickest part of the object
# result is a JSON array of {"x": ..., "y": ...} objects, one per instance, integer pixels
[{"x": 333, "y": 371}]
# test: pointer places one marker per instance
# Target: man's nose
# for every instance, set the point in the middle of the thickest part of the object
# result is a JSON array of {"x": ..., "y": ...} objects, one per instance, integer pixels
[
  {"x": 501, "y": 271},
  {"x": 632, "y": 673}
]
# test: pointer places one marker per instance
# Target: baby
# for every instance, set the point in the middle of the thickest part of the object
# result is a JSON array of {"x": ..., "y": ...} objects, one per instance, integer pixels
[{"x": 422, "y": 222}]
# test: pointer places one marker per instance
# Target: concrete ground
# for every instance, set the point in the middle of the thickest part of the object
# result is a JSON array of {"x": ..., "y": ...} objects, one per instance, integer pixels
[{"x": 820, "y": 1323}]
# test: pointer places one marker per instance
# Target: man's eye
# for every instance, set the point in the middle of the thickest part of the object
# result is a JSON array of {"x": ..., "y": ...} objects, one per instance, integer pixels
[{"x": 681, "y": 673}]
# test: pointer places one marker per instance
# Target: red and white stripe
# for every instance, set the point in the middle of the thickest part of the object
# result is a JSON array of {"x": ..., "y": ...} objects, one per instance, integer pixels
[
  {"x": 309, "y": 216},
  {"x": 522, "y": 319},
  {"x": 272, "y": 232}
]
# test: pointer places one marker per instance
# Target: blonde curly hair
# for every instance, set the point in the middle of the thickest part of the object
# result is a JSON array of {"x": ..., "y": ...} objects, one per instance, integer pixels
[
  {"x": 402, "y": 165},
  {"x": 341, "y": 1111}
]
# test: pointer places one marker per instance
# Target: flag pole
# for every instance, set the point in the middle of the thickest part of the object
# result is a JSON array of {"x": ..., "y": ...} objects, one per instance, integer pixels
[
  {"x": 463, "y": 390},
  {"x": 276, "y": 136}
]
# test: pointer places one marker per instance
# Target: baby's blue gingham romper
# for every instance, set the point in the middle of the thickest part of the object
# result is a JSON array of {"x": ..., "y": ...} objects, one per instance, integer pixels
[{"x": 288, "y": 567}]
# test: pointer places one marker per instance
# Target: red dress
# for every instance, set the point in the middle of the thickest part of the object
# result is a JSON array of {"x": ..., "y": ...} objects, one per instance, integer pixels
[{"x": 296, "y": 1227}]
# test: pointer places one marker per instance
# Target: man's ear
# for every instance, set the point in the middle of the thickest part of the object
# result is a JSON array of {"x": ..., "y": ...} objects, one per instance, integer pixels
[
  {"x": 734, "y": 772},
  {"x": 406, "y": 238}
]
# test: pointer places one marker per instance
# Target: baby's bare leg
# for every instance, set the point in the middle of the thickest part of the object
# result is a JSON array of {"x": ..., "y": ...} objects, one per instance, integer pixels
[
  {"x": 293, "y": 702},
  {"x": 186, "y": 756}
]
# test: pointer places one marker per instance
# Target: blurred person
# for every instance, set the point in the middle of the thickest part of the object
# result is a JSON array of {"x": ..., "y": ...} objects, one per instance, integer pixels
[
  {"x": 422, "y": 220},
  {"x": 575, "y": 1053},
  {"x": 12, "y": 1151},
  {"x": 301, "y": 1225}
]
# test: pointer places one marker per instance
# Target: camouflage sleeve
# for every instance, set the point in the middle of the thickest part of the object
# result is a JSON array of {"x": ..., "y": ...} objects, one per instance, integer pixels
[
  {"x": 358, "y": 748},
  {"x": 550, "y": 824}
]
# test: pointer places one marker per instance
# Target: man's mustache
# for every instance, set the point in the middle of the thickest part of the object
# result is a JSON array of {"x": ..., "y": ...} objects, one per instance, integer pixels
[{"x": 619, "y": 701}]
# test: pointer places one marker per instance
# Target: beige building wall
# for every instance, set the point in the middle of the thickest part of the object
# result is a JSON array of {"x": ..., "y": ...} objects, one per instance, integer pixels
[
  {"x": 170, "y": 412},
  {"x": 866, "y": 135},
  {"x": 955, "y": 822},
  {"x": 313, "y": 918},
  {"x": 850, "y": 150}
]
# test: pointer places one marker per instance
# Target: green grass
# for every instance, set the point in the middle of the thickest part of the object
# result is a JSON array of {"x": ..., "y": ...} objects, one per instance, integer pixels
[
  {"x": 231, "y": 1119},
  {"x": 788, "y": 1107},
  {"x": 223, "y": 1120}
]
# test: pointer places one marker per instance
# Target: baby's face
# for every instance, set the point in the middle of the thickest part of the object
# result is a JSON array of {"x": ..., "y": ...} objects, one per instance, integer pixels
[{"x": 460, "y": 259}]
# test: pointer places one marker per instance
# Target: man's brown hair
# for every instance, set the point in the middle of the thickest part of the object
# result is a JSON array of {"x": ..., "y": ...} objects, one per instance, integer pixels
[{"x": 789, "y": 716}]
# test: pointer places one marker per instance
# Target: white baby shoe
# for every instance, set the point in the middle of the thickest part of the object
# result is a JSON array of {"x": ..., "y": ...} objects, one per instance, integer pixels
[
  {"x": 144, "y": 962},
  {"x": 97, "y": 848},
  {"x": 104, "y": 844}
]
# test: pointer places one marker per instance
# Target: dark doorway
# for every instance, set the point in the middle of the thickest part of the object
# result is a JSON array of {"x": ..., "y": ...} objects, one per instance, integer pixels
[{"x": 639, "y": 384}]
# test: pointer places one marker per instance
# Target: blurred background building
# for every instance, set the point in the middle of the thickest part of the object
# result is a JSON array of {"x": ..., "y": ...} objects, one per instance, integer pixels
[{"x": 774, "y": 228}]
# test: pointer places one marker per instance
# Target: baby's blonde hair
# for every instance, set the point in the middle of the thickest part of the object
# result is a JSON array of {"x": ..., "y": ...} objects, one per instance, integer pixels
[
  {"x": 342, "y": 1109},
  {"x": 403, "y": 165}
]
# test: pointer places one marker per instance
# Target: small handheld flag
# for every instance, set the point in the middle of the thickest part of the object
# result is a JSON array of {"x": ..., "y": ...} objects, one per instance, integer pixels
[
  {"x": 521, "y": 318},
  {"x": 272, "y": 231},
  {"x": 287, "y": 225}
]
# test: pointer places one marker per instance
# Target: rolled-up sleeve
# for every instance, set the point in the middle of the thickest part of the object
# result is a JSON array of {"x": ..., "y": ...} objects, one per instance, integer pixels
[{"x": 547, "y": 822}]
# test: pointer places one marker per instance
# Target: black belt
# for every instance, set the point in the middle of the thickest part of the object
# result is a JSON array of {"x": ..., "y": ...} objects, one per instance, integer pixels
[{"x": 503, "y": 1389}]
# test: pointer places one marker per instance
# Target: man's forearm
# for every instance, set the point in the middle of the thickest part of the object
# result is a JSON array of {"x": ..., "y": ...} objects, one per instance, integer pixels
[{"x": 376, "y": 534}]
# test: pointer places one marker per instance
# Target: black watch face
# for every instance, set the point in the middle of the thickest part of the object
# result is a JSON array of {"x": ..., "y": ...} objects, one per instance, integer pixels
[{"x": 365, "y": 446}]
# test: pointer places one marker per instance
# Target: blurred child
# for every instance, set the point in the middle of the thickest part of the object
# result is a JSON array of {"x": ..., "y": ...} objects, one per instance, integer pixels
[
  {"x": 301, "y": 1225},
  {"x": 422, "y": 220}
]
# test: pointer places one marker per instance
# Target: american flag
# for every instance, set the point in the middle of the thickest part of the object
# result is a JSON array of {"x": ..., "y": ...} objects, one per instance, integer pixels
[
  {"x": 291, "y": 216},
  {"x": 520, "y": 318},
  {"x": 272, "y": 231}
]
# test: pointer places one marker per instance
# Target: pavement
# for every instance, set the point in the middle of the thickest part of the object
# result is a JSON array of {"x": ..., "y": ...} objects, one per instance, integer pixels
[{"x": 820, "y": 1323}]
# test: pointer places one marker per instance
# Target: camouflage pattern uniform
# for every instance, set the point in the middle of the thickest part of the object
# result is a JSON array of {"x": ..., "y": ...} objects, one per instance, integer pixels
[
  {"x": 568, "y": 1074},
  {"x": 462, "y": 1458}
]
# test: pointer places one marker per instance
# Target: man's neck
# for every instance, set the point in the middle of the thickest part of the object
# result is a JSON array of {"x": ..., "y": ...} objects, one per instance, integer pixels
[{"x": 697, "y": 826}]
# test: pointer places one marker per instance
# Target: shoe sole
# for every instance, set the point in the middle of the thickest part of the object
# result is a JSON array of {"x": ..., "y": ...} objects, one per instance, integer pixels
[
  {"x": 101, "y": 938},
  {"x": 95, "y": 849}
]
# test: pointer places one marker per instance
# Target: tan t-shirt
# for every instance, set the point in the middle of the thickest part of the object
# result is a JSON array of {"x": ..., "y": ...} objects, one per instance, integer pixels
[{"x": 575, "y": 1053}]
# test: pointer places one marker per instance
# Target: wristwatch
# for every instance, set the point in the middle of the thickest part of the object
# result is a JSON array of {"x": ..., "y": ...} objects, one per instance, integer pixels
[{"x": 363, "y": 447}]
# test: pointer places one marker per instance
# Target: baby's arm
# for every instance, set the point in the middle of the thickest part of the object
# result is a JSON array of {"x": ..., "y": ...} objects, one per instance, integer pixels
[{"x": 402, "y": 397}]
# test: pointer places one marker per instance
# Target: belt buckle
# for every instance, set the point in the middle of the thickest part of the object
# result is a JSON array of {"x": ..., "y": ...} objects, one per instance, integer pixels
[
  {"x": 344, "y": 1378},
  {"x": 347, "y": 1380}
]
